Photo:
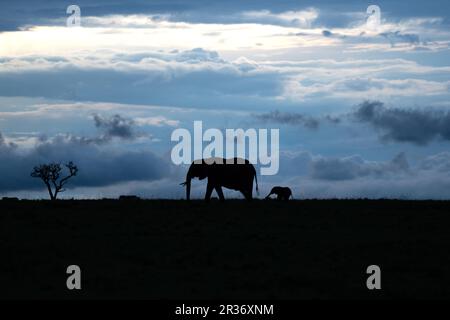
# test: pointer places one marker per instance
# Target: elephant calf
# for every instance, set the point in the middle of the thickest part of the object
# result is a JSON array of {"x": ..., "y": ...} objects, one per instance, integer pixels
[{"x": 283, "y": 193}]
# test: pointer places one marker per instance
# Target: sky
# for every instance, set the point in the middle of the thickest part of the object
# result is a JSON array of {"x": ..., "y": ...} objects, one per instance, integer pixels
[{"x": 361, "y": 100}]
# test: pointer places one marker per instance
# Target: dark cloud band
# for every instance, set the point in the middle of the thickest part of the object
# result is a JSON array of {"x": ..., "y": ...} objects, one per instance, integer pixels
[{"x": 417, "y": 126}]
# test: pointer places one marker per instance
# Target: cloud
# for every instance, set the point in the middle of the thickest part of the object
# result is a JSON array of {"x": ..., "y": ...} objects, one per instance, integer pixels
[
  {"x": 335, "y": 169},
  {"x": 349, "y": 168},
  {"x": 202, "y": 78},
  {"x": 397, "y": 36},
  {"x": 317, "y": 176},
  {"x": 2, "y": 139},
  {"x": 418, "y": 126},
  {"x": 288, "y": 118},
  {"x": 157, "y": 121},
  {"x": 327, "y": 33},
  {"x": 100, "y": 165},
  {"x": 6, "y": 146},
  {"x": 262, "y": 30},
  {"x": 110, "y": 127},
  {"x": 351, "y": 87},
  {"x": 302, "y": 18},
  {"x": 62, "y": 112},
  {"x": 20, "y": 12},
  {"x": 187, "y": 78},
  {"x": 439, "y": 162},
  {"x": 291, "y": 18},
  {"x": 297, "y": 119},
  {"x": 197, "y": 55},
  {"x": 106, "y": 171},
  {"x": 115, "y": 126}
]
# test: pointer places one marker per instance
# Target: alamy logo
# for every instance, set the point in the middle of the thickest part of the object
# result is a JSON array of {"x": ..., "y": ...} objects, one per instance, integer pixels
[
  {"x": 74, "y": 20},
  {"x": 374, "y": 280},
  {"x": 250, "y": 144},
  {"x": 74, "y": 280},
  {"x": 373, "y": 21}
]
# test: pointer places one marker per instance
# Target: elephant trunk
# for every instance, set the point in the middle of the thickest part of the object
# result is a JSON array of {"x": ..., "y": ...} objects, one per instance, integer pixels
[{"x": 188, "y": 186}]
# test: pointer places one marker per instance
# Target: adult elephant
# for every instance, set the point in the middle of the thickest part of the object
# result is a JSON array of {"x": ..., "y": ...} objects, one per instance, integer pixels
[{"x": 236, "y": 174}]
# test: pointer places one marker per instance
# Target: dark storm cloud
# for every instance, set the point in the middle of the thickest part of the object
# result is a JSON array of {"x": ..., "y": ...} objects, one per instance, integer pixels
[
  {"x": 116, "y": 126},
  {"x": 289, "y": 119},
  {"x": 99, "y": 165},
  {"x": 295, "y": 119},
  {"x": 111, "y": 127},
  {"x": 417, "y": 126}
]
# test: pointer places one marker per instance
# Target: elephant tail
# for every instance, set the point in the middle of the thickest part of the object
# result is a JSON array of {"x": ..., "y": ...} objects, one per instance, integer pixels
[{"x": 256, "y": 180}]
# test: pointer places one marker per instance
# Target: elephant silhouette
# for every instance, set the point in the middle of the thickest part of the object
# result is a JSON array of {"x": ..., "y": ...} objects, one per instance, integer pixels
[
  {"x": 283, "y": 193},
  {"x": 235, "y": 174}
]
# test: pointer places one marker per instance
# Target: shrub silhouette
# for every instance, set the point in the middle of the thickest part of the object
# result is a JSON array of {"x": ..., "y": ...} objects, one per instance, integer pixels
[{"x": 50, "y": 174}]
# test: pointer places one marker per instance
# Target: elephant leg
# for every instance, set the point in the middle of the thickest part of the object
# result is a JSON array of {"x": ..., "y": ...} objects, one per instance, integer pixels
[
  {"x": 279, "y": 197},
  {"x": 268, "y": 196},
  {"x": 247, "y": 194},
  {"x": 209, "y": 190},
  {"x": 220, "y": 193},
  {"x": 249, "y": 191}
]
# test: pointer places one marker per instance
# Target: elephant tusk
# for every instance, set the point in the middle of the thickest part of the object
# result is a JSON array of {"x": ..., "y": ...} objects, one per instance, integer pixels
[{"x": 183, "y": 184}]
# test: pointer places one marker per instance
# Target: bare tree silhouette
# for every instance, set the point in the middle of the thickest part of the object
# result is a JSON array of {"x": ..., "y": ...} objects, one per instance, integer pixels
[{"x": 50, "y": 174}]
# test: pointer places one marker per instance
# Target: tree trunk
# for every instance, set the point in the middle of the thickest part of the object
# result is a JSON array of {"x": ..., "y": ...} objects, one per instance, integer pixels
[{"x": 52, "y": 197}]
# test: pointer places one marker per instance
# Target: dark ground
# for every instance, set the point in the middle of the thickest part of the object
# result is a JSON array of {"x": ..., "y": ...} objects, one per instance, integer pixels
[{"x": 263, "y": 249}]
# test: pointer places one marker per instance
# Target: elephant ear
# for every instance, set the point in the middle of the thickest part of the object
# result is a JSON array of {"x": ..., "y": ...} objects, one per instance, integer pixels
[
  {"x": 203, "y": 170},
  {"x": 203, "y": 173}
]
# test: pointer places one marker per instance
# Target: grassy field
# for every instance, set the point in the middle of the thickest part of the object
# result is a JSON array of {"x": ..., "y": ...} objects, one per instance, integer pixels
[{"x": 233, "y": 250}]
